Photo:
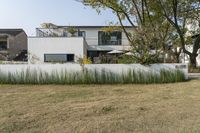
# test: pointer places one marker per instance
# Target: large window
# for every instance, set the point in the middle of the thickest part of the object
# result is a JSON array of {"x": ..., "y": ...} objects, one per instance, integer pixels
[
  {"x": 3, "y": 45},
  {"x": 59, "y": 58},
  {"x": 110, "y": 38}
]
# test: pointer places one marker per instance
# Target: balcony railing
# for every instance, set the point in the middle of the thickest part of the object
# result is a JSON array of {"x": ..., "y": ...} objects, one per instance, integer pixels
[
  {"x": 42, "y": 32},
  {"x": 88, "y": 39}
]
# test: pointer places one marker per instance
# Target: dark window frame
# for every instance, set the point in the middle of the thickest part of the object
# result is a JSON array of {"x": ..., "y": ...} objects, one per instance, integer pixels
[
  {"x": 67, "y": 55},
  {"x": 118, "y": 42},
  {"x": 6, "y": 45},
  {"x": 81, "y": 34},
  {"x": 69, "y": 59}
]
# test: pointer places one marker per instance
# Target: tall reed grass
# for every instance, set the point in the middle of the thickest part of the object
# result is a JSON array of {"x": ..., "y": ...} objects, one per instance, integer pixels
[{"x": 91, "y": 77}]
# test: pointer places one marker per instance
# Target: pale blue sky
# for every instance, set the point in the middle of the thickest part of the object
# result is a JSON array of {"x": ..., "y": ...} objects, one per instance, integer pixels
[{"x": 29, "y": 14}]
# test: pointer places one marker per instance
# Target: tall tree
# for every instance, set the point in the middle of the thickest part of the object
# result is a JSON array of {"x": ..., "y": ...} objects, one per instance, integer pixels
[
  {"x": 149, "y": 18},
  {"x": 149, "y": 30},
  {"x": 181, "y": 13}
]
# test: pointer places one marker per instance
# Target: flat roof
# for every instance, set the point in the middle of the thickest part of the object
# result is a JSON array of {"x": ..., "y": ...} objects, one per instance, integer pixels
[
  {"x": 13, "y": 32},
  {"x": 86, "y": 26}
]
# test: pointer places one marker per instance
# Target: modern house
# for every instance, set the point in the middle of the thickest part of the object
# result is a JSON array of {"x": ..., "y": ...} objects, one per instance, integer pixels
[
  {"x": 64, "y": 44},
  {"x": 13, "y": 45},
  {"x": 68, "y": 43}
]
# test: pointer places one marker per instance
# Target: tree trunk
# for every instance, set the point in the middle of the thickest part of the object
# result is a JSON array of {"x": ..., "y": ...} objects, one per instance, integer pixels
[
  {"x": 194, "y": 54},
  {"x": 177, "y": 58},
  {"x": 193, "y": 61}
]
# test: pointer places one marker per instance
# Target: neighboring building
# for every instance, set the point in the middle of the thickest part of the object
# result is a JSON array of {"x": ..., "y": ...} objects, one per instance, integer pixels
[
  {"x": 61, "y": 44},
  {"x": 13, "y": 45}
]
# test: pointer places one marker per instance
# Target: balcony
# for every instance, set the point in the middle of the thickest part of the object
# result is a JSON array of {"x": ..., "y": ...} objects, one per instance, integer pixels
[{"x": 43, "y": 32}]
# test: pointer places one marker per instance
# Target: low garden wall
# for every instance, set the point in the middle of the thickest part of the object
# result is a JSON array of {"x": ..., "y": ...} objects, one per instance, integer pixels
[{"x": 38, "y": 72}]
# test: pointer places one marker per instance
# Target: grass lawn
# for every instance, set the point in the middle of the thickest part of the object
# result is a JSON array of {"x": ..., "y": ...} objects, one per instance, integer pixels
[{"x": 100, "y": 108}]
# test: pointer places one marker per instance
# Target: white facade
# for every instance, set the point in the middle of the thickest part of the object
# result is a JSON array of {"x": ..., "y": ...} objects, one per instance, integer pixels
[
  {"x": 59, "y": 41},
  {"x": 93, "y": 45},
  {"x": 38, "y": 47},
  {"x": 91, "y": 37},
  {"x": 92, "y": 41}
]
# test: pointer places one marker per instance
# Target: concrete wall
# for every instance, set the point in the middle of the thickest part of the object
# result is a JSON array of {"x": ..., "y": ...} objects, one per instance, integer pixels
[
  {"x": 116, "y": 68},
  {"x": 19, "y": 44},
  {"x": 37, "y": 47},
  {"x": 15, "y": 45}
]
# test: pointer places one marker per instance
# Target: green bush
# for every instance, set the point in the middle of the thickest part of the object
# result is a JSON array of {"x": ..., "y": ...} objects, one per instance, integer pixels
[
  {"x": 126, "y": 59},
  {"x": 194, "y": 70},
  {"x": 91, "y": 77}
]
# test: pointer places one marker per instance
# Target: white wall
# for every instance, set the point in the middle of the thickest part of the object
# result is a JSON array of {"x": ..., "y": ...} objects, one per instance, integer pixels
[
  {"x": 92, "y": 40},
  {"x": 116, "y": 68},
  {"x": 37, "y": 47}
]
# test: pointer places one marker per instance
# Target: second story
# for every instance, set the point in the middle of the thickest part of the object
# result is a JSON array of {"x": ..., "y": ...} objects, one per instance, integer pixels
[
  {"x": 93, "y": 35},
  {"x": 12, "y": 43}
]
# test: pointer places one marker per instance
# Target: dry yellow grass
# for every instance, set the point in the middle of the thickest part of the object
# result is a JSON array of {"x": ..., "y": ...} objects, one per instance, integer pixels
[{"x": 100, "y": 108}]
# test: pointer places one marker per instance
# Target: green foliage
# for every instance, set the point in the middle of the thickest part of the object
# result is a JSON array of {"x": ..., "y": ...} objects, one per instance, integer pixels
[
  {"x": 148, "y": 28},
  {"x": 126, "y": 59},
  {"x": 91, "y": 77},
  {"x": 111, "y": 28},
  {"x": 155, "y": 24},
  {"x": 84, "y": 60},
  {"x": 50, "y": 28},
  {"x": 48, "y": 25},
  {"x": 72, "y": 30},
  {"x": 194, "y": 70}
]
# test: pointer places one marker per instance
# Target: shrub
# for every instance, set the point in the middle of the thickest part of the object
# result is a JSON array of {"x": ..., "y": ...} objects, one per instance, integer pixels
[
  {"x": 72, "y": 31},
  {"x": 194, "y": 70},
  {"x": 90, "y": 77},
  {"x": 126, "y": 59}
]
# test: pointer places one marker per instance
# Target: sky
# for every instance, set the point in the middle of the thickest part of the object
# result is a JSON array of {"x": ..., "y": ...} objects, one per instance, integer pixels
[{"x": 30, "y": 14}]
